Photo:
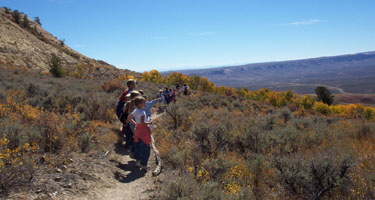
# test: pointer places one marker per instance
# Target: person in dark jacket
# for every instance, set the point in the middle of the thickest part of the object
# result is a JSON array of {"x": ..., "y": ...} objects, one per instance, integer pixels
[{"x": 120, "y": 110}]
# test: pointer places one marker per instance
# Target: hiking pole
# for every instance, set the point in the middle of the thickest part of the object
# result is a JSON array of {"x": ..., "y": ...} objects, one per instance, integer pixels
[{"x": 157, "y": 170}]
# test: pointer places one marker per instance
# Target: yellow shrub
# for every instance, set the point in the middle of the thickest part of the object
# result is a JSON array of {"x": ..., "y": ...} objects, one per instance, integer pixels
[
  {"x": 338, "y": 109},
  {"x": 307, "y": 102},
  {"x": 322, "y": 108},
  {"x": 122, "y": 77}
]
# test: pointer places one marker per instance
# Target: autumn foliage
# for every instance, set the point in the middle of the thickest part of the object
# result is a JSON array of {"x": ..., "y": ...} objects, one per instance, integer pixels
[
  {"x": 227, "y": 143},
  {"x": 234, "y": 148},
  {"x": 301, "y": 103}
]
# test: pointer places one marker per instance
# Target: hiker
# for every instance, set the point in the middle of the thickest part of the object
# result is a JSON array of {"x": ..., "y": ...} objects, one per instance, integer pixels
[
  {"x": 142, "y": 134},
  {"x": 185, "y": 90},
  {"x": 131, "y": 86},
  {"x": 166, "y": 95},
  {"x": 171, "y": 95},
  {"x": 148, "y": 106},
  {"x": 129, "y": 127},
  {"x": 120, "y": 111},
  {"x": 160, "y": 96}
]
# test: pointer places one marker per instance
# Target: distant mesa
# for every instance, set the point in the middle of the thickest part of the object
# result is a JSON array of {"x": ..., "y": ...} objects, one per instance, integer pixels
[{"x": 353, "y": 73}]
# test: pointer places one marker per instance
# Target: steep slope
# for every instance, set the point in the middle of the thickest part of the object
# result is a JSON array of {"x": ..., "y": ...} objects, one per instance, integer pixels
[
  {"x": 347, "y": 73},
  {"x": 32, "y": 47}
]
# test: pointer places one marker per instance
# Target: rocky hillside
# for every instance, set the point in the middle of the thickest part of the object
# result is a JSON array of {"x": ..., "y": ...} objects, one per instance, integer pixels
[{"x": 29, "y": 45}]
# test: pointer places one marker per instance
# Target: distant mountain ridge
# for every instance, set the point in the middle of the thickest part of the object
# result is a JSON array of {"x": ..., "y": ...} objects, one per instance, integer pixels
[
  {"x": 31, "y": 46},
  {"x": 353, "y": 73}
]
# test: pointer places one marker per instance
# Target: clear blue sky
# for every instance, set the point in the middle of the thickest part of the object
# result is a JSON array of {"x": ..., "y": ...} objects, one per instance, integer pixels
[{"x": 175, "y": 34}]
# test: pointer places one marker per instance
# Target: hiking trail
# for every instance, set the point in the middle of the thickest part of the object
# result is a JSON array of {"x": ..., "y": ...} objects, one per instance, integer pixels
[{"x": 126, "y": 182}]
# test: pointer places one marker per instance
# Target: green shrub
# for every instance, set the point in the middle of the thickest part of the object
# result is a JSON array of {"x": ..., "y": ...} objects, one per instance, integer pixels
[
  {"x": 84, "y": 142},
  {"x": 324, "y": 95},
  {"x": 37, "y": 20},
  {"x": 256, "y": 165},
  {"x": 32, "y": 90},
  {"x": 55, "y": 67},
  {"x": 7, "y": 10},
  {"x": 62, "y": 42},
  {"x": 187, "y": 188},
  {"x": 362, "y": 131},
  {"x": 16, "y": 16},
  {"x": 368, "y": 114},
  {"x": 16, "y": 167},
  {"x": 26, "y": 22},
  {"x": 285, "y": 114},
  {"x": 315, "y": 178}
]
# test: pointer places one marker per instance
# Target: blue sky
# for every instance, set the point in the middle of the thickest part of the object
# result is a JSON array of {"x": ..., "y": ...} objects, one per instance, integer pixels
[{"x": 178, "y": 34}]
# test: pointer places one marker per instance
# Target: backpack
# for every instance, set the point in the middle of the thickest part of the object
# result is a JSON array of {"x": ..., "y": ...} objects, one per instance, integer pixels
[{"x": 166, "y": 94}]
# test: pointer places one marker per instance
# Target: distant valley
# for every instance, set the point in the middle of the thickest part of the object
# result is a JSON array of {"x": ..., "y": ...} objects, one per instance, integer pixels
[{"x": 354, "y": 73}]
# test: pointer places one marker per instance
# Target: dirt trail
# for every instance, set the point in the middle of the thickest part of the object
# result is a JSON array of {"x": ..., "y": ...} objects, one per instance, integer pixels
[{"x": 124, "y": 181}]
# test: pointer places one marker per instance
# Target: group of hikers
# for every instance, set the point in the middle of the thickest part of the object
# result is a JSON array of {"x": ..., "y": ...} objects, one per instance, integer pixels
[{"x": 134, "y": 111}]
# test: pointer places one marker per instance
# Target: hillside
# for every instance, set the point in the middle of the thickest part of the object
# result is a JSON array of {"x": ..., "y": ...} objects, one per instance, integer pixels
[
  {"x": 60, "y": 139},
  {"x": 342, "y": 74},
  {"x": 32, "y": 47}
]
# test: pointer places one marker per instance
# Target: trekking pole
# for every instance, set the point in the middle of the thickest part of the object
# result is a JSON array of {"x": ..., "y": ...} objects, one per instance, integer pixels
[{"x": 157, "y": 170}]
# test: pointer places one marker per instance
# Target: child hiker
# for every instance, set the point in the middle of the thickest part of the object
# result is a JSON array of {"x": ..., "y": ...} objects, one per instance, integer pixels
[
  {"x": 142, "y": 133},
  {"x": 129, "y": 127},
  {"x": 148, "y": 106}
]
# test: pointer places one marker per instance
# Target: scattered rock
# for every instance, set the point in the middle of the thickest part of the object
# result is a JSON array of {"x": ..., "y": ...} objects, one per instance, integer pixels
[
  {"x": 38, "y": 191},
  {"x": 53, "y": 195},
  {"x": 69, "y": 186},
  {"x": 58, "y": 179}
]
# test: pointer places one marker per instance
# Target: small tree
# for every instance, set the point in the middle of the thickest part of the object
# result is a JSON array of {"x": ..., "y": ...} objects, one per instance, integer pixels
[
  {"x": 55, "y": 67},
  {"x": 324, "y": 95},
  {"x": 16, "y": 16},
  {"x": 26, "y": 21},
  {"x": 37, "y": 20},
  {"x": 7, "y": 10},
  {"x": 62, "y": 42}
]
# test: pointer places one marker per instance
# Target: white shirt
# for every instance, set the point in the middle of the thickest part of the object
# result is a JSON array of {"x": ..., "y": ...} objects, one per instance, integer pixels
[{"x": 137, "y": 114}]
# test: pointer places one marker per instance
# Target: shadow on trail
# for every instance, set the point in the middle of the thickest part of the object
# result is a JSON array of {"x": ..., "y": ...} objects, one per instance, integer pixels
[
  {"x": 120, "y": 149},
  {"x": 119, "y": 146},
  {"x": 134, "y": 174}
]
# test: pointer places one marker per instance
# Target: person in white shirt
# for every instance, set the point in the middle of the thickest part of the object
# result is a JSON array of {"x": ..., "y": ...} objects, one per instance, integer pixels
[{"x": 142, "y": 133}]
